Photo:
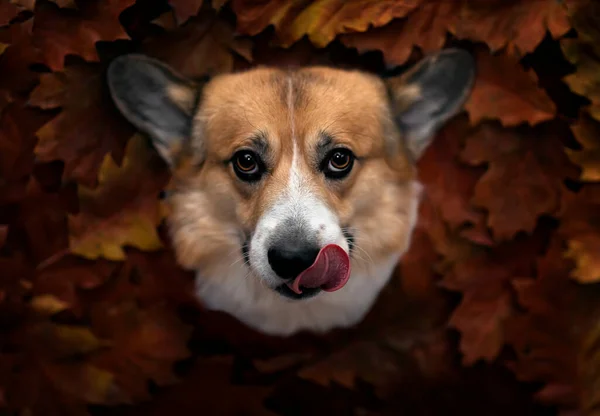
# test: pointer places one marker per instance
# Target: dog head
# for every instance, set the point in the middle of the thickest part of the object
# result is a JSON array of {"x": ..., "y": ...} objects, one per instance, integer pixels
[{"x": 291, "y": 175}]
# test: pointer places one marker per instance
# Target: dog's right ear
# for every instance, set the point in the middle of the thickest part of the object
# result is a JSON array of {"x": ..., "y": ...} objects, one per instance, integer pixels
[{"x": 155, "y": 99}]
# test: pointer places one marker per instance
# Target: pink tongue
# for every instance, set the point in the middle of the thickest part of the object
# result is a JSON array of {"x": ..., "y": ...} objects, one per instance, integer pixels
[{"x": 330, "y": 271}]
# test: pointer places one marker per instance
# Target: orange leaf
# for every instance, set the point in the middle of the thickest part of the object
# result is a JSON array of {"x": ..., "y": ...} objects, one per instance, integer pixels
[
  {"x": 517, "y": 25},
  {"x": 503, "y": 90},
  {"x": 88, "y": 127},
  {"x": 587, "y": 133},
  {"x": 321, "y": 20},
  {"x": 525, "y": 175},
  {"x": 59, "y": 34},
  {"x": 124, "y": 209},
  {"x": 426, "y": 27},
  {"x": 580, "y": 219}
]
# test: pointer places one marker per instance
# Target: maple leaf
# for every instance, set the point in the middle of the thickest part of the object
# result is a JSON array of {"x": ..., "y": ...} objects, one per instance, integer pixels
[
  {"x": 205, "y": 46},
  {"x": 580, "y": 226},
  {"x": 448, "y": 183},
  {"x": 321, "y": 20},
  {"x": 544, "y": 335},
  {"x": 484, "y": 281},
  {"x": 503, "y": 90},
  {"x": 525, "y": 175},
  {"x": 587, "y": 133},
  {"x": 88, "y": 126},
  {"x": 124, "y": 209},
  {"x": 59, "y": 34},
  {"x": 517, "y": 25},
  {"x": 426, "y": 27},
  {"x": 584, "y": 53}
]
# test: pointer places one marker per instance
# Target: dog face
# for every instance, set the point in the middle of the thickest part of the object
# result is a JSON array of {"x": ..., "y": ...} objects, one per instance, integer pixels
[{"x": 277, "y": 171}]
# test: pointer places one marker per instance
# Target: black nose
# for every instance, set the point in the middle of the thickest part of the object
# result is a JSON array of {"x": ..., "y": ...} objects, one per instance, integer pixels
[{"x": 288, "y": 261}]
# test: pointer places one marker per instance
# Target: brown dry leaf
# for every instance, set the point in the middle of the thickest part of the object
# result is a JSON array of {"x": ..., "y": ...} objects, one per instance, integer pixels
[
  {"x": 503, "y": 90},
  {"x": 587, "y": 133},
  {"x": 426, "y": 27},
  {"x": 184, "y": 9},
  {"x": 544, "y": 336},
  {"x": 204, "y": 45},
  {"x": 321, "y": 20},
  {"x": 124, "y": 210},
  {"x": 484, "y": 281},
  {"x": 145, "y": 344},
  {"x": 517, "y": 25},
  {"x": 525, "y": 175},
  {"x": 59, "y": 34},
  {"x": 580, "y": 226},
  {"x": 448, "y": 183},
  {"x": 88, "y": 127},
  {"x": 584, "y": 53}
]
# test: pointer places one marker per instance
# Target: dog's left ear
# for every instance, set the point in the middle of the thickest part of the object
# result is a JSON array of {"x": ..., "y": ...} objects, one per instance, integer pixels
[
  {"x": 429, "y": 94},
  {"x": 155, "y": 99}
]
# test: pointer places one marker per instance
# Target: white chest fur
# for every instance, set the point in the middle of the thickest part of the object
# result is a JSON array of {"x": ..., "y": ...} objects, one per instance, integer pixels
[{"x": 247, "y": 298}]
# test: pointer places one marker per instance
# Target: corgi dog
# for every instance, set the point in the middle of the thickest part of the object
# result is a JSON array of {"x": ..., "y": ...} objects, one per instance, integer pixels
[{"x": 294, "y": 191}]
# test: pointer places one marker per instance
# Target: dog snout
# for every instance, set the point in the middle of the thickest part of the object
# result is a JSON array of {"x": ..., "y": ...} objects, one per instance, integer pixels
[{"x": 290, "y": 258}]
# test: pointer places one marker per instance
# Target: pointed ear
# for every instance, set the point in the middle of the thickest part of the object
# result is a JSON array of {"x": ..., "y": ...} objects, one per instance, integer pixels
[
  {"x": 429, "y": 94},
  {"x": 155, "y": 99}
]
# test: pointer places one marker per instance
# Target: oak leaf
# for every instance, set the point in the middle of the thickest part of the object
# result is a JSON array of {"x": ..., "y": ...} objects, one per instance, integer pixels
[
  {"x": 526, "y": 170},
  {"x": 124, "y": 210},
  {"x": 59, "y": 34},
  {"x": 587, "y": 133},
  {"x": 87, "y": 128},
  {"x": 205, "y": 45},
  {"x": 503, "y": 90},
  {"x": 580, "y": 226},
  {"x": 321, "y": 20}
]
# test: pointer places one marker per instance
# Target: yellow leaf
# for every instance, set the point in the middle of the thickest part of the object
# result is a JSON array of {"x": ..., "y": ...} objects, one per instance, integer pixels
[
  {"x": 587, "y": 133},
  {"x": 48, "y": 304},
  {"x": 587, "y": 261},
  {"x": 124, "y": 210}
]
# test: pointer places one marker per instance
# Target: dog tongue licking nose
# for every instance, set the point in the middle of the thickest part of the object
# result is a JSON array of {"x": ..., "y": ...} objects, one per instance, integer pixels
[{"x": 330, "y": 271}]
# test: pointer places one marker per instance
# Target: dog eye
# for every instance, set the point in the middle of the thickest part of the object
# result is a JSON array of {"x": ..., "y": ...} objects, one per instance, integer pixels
[
  {"x": 247, "y": 165},
  {"x": 339, "y": 163}
]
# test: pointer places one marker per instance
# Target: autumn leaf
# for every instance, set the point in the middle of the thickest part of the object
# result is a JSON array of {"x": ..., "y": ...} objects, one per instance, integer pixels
[
  {"x": 426, "y": 27},
  {"x": 503, "y": 90},
  {"x": 184, "y": 9},
  {"x": 543, "y": 335},
  {"x": 580, "y": 226},
  {"x": 88, "y": 127},
  {"x": 484, "y": 280},
  {"x": 321, "y": 20},
  {"x": 518, "y": 26},
  {"x": 8, "y": 11},
  {"x": 584, "y": 53},
  {"x": 205, "y": 46},
  {"x": 124, "y": 209},
  {"x": 587, "y": 133},
  {"x": 59, "y": 34},
  {"x": 524, "y": 179}
]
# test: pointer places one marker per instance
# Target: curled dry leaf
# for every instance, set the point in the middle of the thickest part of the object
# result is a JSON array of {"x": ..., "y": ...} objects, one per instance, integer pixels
[
  {"x": 205, "y": 45},
  {"x": 321, "y": 20},
  {"x": 526, "y": 170},
  {"x": 503, "y": 90},
  {"x": 124, "y": 210},
  {"x": 58, "y": 33},
  {"x": 88, "y": 126},
  {"x": 580, "y": 226}
]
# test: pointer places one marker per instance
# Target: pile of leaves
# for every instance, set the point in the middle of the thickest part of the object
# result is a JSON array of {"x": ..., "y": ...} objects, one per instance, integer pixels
[{"x": 494, "y": 310}]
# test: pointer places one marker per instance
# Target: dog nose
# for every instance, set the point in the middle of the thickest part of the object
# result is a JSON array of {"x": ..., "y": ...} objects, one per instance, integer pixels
[{"x": 288, "y": 261}]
